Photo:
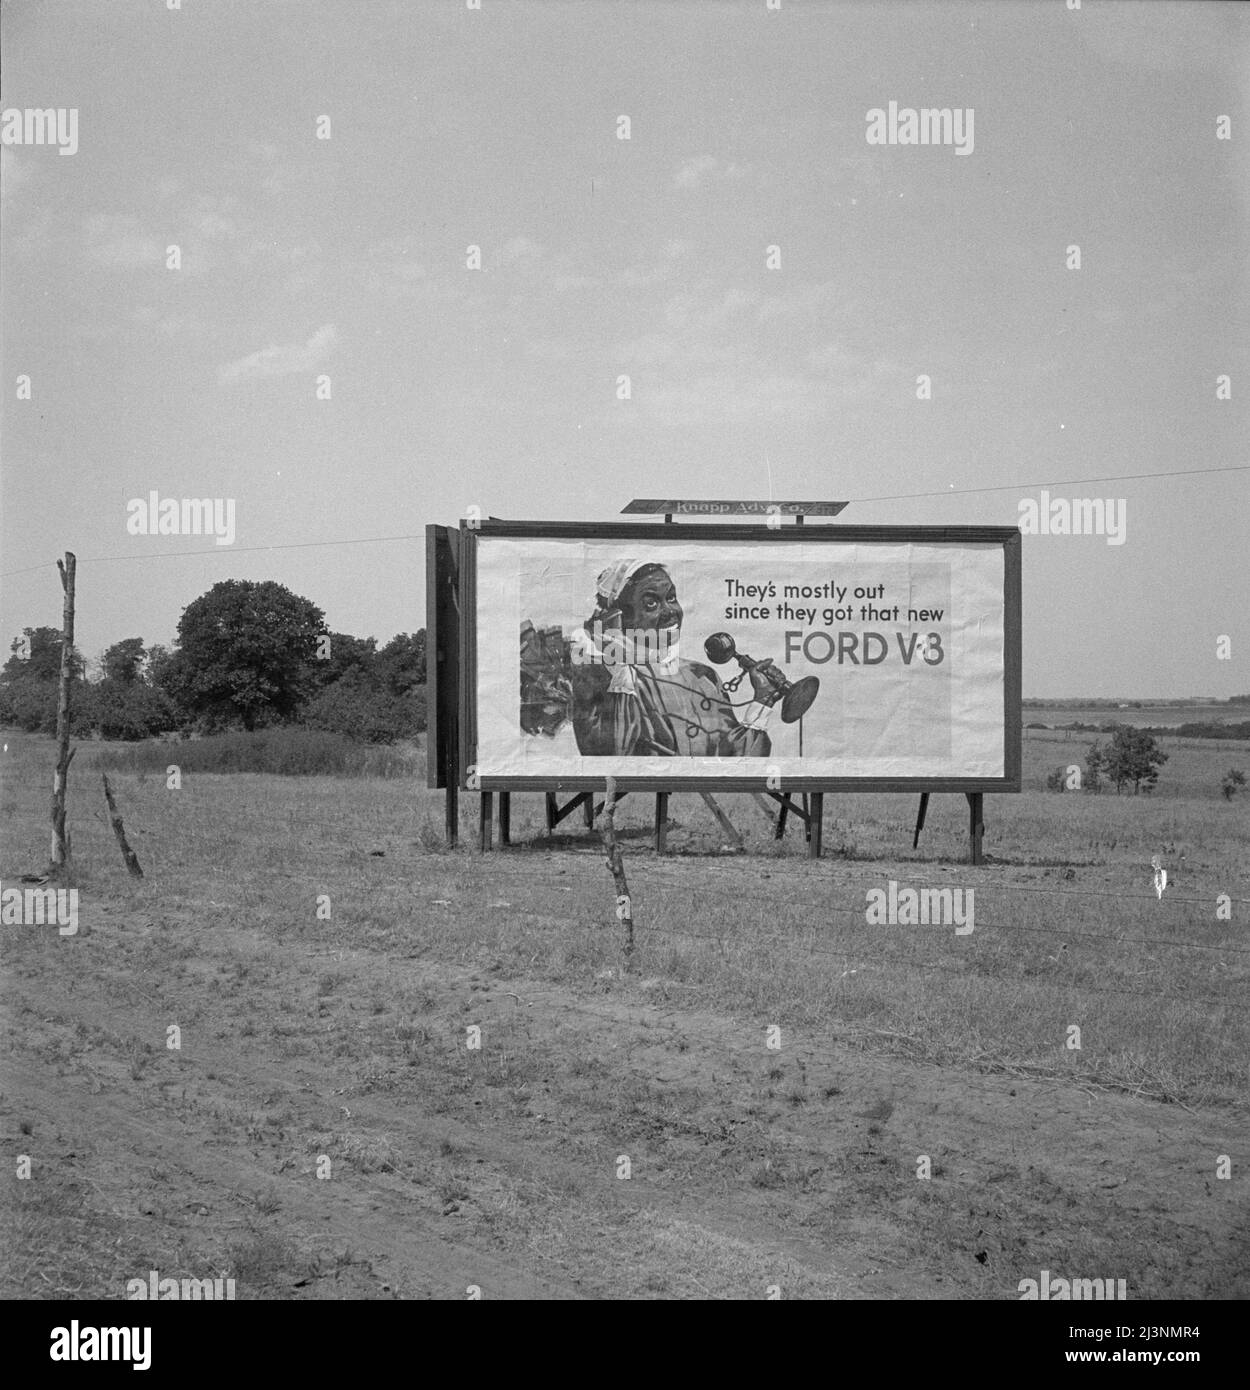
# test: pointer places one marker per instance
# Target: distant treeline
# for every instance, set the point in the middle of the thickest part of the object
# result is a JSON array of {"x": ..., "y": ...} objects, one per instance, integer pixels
[
  {"x": 1203, "y": 730},
  {"x": 1192, "y": 703},
  {"x": 248, "y": 656}
]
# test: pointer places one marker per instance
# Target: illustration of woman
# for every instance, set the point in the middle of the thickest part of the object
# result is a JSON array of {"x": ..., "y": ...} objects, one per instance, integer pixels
[{"x": 634, "y": 695}]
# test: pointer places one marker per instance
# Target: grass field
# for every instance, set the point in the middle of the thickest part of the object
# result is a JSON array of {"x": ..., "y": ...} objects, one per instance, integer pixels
[{"x": 324, "y": 1129}]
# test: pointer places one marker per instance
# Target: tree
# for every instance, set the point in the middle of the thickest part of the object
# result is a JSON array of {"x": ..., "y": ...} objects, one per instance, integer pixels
[
  {"x": 1233, "y": 779},
  {"x": 37, "y": 656},
  {"x": 123, "y": 662},
  {"x": 348, "y": 656},
  {"x": 245, "y": 653},
  {"x": 401, "y": 663},
  {"x": 29, "y": 681},
  {"x": 356, "y": 707},
  {"x": 1095, "y": 764},
  {"x": 123, "y": 709},
  {"x": 1134, "y": 757}
]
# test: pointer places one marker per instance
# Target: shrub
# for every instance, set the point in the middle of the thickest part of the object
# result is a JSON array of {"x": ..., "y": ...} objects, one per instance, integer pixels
[
  {"x": 357, "y": 708},
  {"x": 127, "y": 710},
  {"x": 286, "y": 751}
]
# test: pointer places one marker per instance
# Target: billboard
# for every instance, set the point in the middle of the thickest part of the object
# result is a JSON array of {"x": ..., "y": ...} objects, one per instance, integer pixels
[{"x": 733, "y": 656}]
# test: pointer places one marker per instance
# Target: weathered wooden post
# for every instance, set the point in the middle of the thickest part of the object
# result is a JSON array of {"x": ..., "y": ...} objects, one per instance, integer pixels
[
  {"x": 65, "y": 754},
  {"x": 132, "y": 860},
  {"x": 624, "y": 908}
]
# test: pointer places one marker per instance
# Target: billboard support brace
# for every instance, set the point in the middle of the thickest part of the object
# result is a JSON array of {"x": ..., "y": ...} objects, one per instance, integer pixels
[
  {"x": 661, "y": 822},
  {"x": 723, "y": 821},
  {"x": 920, "y": 815}
]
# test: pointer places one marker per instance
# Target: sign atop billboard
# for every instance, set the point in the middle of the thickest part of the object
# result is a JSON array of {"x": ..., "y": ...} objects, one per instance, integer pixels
[{"x": 702, "y": 507}]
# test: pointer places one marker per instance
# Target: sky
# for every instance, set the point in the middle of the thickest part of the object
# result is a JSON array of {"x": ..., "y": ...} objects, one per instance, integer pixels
[{"x": 320, "y": 352}]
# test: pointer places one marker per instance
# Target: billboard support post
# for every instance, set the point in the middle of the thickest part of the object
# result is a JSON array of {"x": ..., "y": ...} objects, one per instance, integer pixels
[{"x": 976, "y": 827}]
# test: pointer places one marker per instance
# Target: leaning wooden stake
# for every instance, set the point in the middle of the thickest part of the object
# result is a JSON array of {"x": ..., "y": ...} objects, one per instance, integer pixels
[
  {"x": 65, "y": 754},
  {"x": 132, "y": 861},
  {"x": 616, "y": 864}
]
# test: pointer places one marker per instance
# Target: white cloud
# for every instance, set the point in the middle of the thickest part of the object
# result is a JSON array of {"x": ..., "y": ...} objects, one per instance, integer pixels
[
  {"x": 520, "y": 248},
  {"x": 730, "y": 398},
  {"x": 14, "y": 172},
  {"x": 120, "y": 240},
  {"x": 693, "y": 171},
  {"x": 563, "y": 283},
  {"x": 280, "y": 361}
]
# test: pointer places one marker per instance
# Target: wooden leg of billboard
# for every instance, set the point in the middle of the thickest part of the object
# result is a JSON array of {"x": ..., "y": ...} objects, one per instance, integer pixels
[
  {"x": 976, "y": 826},
  {"x": 552, "y": 807},
  {"x": 722, "y": 820},
  {"x": 451, "y": 811},
  {"x": 505, "y": 818},
  {"x": 588, "y": 809},
  {"x": 780, "y": 832},
  {"x": 484, "y": 819},
  {"x": 762, "y": 803},
  {"x": 807, "y": 821},
  {"x": 661, "y": 822},
  {"x": 920, "y": 815},
  {"x": 815, "y": 825}
]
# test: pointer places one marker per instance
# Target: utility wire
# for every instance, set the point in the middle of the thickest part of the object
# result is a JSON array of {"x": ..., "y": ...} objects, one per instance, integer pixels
[{"x": 892, "y": 497}]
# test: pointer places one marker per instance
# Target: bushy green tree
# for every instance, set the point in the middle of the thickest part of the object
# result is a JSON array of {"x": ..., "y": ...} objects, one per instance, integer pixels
[
  {"x": 1134, "y": 757},
  {"x": 1095, "y": 763},
  {"x": 347, "y": 655},
  {"x": 37, "y": 656},
  {"x": 355, "y": 706},
  {"x": 401, "y": 663},
  {"x": 123, "y": 661},
  {"x": 30, "y": 682},
  {"x": 116, "y": 708},
  {"x": 245, "y": 654}
]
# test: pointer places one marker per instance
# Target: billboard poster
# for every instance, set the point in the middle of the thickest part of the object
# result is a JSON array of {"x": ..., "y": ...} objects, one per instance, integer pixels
[{"x": 710, "y": 659}]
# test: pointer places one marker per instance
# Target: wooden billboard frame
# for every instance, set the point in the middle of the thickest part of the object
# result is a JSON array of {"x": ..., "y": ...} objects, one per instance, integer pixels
[
  {"x": 451, "y": 604},
  {"x": 1008, "y": 537}
]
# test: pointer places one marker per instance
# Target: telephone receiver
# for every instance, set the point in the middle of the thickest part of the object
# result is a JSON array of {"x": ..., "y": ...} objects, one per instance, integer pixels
[{"x": 797, "y": 696}]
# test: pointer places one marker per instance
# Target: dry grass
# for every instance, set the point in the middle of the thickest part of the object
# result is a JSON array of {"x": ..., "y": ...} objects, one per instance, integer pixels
[{"x": 224, "y": 937}]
